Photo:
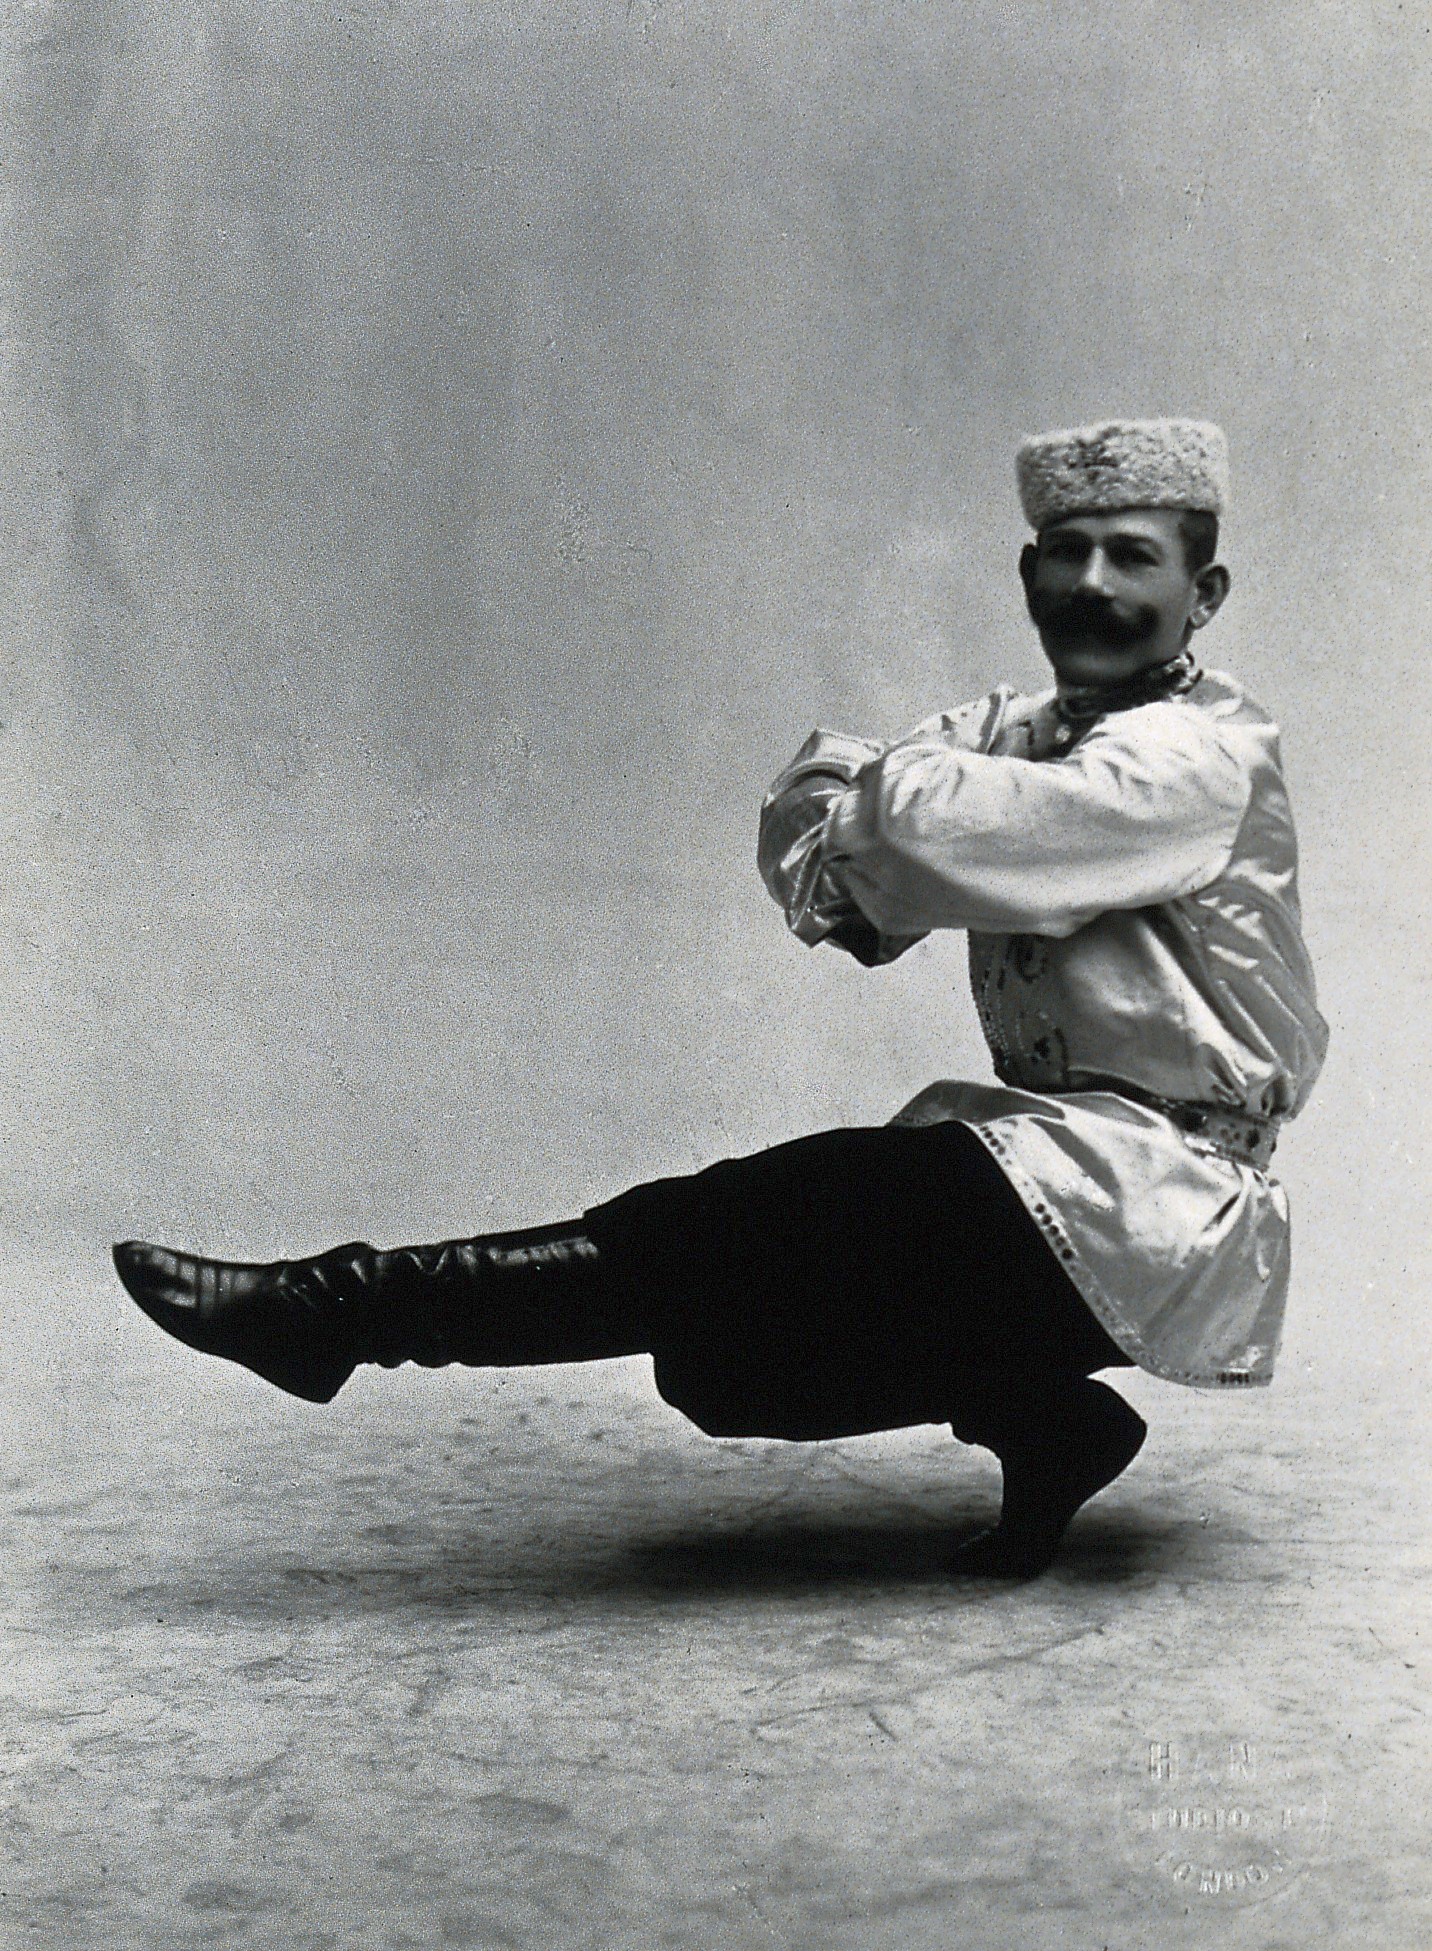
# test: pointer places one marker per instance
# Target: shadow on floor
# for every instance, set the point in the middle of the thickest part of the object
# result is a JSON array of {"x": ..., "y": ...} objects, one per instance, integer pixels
[
  {"x": 797, "y": 1555},
  {"x": 568, "y": 1574}
]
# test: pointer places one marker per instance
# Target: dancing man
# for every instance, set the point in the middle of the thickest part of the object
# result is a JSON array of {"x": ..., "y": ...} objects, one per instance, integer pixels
[{"x": 1120, "y": 851}]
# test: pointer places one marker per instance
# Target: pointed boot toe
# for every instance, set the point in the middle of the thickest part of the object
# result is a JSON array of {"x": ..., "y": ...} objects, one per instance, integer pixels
[{"x": 260, "y": 1316}]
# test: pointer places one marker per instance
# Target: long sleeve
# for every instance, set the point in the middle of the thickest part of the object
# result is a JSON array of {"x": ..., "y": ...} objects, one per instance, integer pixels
[
  {"x": 1145, "y": 810},
  {"x": 788, "y": 854}
]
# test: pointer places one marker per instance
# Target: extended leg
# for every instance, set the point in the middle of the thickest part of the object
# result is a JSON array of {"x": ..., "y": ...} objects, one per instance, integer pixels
[
  {"x": 805, "y": 1291},
  {"x": 540, "y": 1295}
]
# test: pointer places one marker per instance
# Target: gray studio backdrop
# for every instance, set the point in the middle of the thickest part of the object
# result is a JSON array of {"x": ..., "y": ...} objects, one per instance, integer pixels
[{"x": 454, "y": 454}]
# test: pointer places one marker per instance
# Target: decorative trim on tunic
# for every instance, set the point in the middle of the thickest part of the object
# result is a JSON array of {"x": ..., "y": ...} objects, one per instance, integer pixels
[{"x": 1119, "y": 1329}]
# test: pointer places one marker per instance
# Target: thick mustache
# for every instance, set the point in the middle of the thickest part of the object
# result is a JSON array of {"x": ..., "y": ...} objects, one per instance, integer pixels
[{"x": 1093, "y": 616}]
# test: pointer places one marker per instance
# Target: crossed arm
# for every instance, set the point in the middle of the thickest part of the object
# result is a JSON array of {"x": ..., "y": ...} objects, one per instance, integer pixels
[{"x": 871, "y": 847}]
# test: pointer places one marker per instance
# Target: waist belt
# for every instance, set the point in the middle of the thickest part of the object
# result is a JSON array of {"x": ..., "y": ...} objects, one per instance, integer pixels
[{"x": 1239, "y": 1135}]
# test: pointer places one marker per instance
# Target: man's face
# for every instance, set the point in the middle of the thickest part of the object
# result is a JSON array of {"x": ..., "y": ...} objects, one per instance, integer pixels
[{"x": 1112, "y": 595}]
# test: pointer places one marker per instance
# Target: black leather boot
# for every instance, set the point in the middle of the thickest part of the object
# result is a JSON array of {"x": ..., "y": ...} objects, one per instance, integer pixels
[
  {"x": 1057, "y": 1450},
  {"x": 540, "y": 1295}
]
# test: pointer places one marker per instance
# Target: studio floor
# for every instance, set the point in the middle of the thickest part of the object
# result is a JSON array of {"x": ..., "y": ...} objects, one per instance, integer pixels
[{"x": 524, "y": 1661}]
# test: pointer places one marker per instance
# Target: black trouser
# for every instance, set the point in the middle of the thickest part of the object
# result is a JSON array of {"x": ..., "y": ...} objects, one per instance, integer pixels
[{"x": 855, "y": 1280}]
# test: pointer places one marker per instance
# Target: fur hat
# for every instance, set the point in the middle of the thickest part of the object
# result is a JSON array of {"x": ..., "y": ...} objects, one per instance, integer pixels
[{"x": 1123, "y": 464}]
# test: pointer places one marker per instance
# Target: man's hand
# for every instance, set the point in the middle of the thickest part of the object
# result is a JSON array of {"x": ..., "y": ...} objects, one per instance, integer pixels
[{"x": 789, "y": 852}]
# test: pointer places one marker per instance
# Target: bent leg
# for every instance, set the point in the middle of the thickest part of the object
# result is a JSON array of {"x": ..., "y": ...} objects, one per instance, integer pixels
[
  {"x": 849, "y": 1281},
  {"x": 1058, "y": 1444},
  {"x": 868, "y": 1279}
]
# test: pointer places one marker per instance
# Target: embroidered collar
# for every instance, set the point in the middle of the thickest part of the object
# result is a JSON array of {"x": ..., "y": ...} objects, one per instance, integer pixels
[{"x": 1079, "y": 706}]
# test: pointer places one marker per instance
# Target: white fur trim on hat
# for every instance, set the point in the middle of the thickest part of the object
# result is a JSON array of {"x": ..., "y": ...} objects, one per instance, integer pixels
[{"x": 1123, "y": 464}]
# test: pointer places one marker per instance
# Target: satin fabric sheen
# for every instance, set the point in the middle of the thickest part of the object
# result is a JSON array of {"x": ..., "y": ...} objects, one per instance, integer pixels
[{"x": 1132, "y": 909}]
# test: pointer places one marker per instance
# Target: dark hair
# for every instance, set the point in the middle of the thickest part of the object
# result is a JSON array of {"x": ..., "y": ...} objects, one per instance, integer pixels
[{"x": 1198, "y": 531}]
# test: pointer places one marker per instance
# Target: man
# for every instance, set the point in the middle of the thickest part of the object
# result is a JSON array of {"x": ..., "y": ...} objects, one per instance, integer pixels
[{"x": 1121, "y": 853}]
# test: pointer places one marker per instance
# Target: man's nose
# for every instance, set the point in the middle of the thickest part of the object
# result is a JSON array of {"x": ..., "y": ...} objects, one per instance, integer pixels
[{"x": 1094, "y": 577}]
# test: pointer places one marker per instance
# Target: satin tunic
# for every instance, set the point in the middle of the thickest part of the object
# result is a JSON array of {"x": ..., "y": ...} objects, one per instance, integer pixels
[{"x": 1131, "y": 900}]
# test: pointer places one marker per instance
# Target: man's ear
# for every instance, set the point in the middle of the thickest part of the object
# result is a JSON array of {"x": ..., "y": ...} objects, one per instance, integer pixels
[
  {"x": 1210, "y": 586},
  {"x": 1028, "y": 557}
]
